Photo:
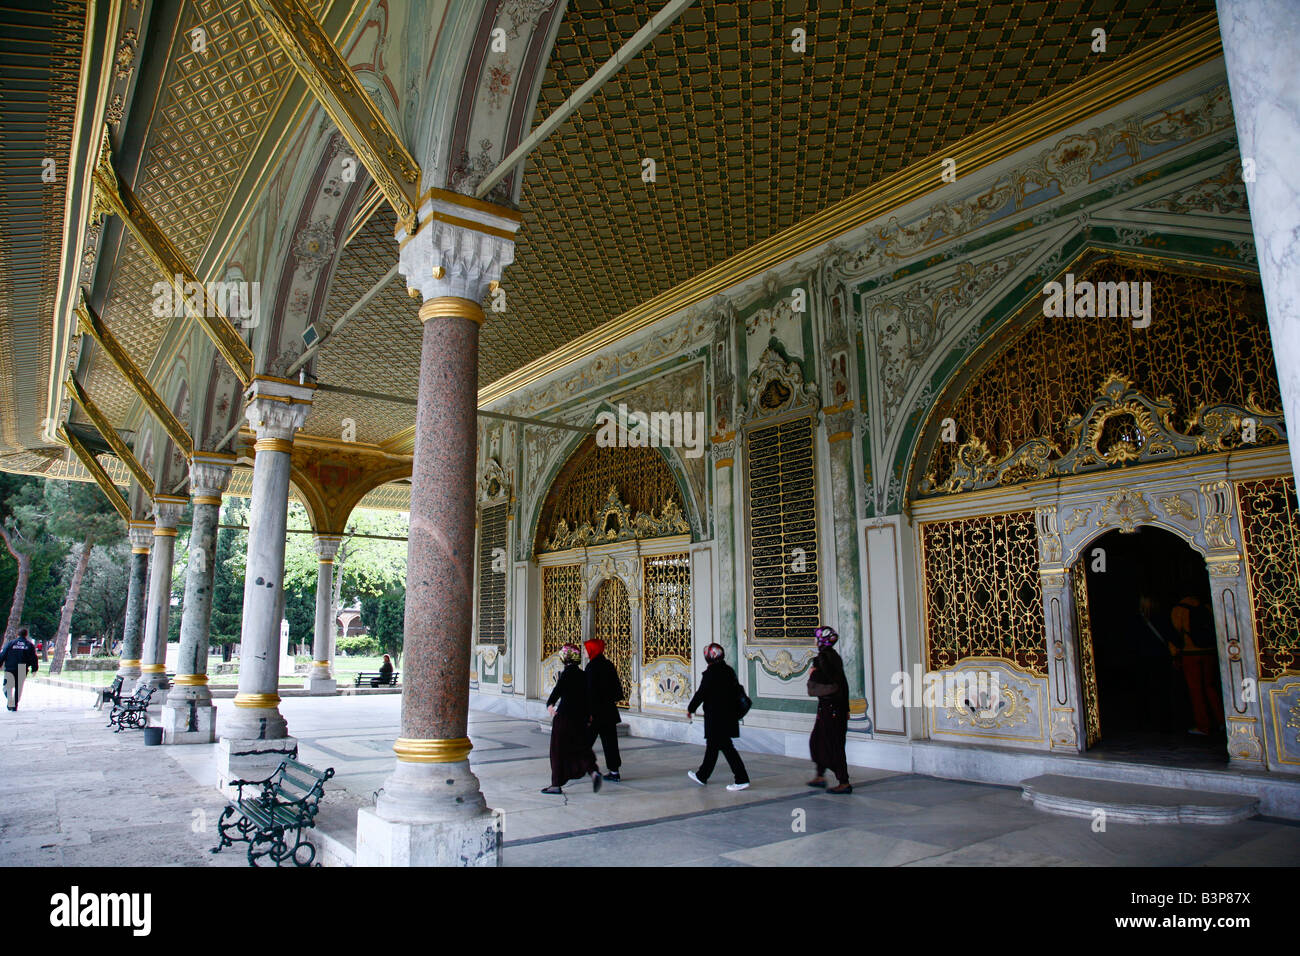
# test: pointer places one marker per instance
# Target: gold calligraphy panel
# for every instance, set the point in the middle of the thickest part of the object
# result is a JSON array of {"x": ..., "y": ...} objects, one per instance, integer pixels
[
  {"x": 785, "y": 590},
  {"x": 492, "y": 574},
  {"x": 982, "y": 591}
]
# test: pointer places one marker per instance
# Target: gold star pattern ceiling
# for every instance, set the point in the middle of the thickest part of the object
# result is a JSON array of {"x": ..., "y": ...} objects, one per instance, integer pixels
[{"x": 750, "y": 137}]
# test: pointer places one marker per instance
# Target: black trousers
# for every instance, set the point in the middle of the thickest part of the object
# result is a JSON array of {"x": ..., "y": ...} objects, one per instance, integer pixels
[
  {"x": 608, "y": 734},
  {"x": 724, "y": 746}
]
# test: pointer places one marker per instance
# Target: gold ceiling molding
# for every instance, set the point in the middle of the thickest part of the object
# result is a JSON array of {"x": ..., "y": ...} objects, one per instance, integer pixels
[
  {"x": 1182, "y": 50},
  {"x": 115, "y": 197},
  {"x": 97, "y": 472},
  {"x": 93, "y": 326},
  {"x": 110, "y": 435},
  {"x": 335, "y": 86}
]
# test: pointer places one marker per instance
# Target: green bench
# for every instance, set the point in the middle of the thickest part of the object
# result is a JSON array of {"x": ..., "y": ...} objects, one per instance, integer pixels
[{"x": 267, "y": 821}]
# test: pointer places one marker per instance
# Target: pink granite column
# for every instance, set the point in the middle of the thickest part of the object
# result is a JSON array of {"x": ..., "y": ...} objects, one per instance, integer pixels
[{"x": 431, "y": 812}]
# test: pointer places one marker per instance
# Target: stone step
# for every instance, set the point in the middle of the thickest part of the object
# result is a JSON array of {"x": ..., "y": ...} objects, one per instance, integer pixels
[{"x": 1135, "y": 803}]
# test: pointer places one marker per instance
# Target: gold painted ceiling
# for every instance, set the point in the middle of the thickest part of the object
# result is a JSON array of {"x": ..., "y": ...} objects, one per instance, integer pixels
[{"x": 749, "y": 138}]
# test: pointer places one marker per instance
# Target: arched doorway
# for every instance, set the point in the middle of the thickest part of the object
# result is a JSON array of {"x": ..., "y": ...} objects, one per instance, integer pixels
[
  {"x": 612, "y": 623},
  {"x": 1148, "y": 651}
]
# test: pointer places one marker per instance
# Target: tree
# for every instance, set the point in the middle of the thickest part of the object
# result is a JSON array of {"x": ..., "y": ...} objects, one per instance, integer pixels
[
  {"x": 78, "y": 511},
  {"x": 23, "y": 518},
  {"x": 101, "y": 609}
]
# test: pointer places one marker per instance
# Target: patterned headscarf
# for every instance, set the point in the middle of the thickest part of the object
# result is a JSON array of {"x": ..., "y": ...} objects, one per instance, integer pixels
[
  {"x": 713, "y": 652},
  {"x": 826, "y": 636},
  {"x": 570, "y": 654}
]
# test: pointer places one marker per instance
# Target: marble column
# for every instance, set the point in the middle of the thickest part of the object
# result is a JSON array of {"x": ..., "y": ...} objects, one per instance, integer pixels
[
  {"x": 723, "y": 451},
  {"x": 431, "y": 811},
  {"x": 321, "y": 679},
  {"x": 848, "y": 565},
  {"x": 140, "y": 534},
  {"x": 1261, "y": 50},
  {"x": 167, "y": 510},
  {"x": 255, "y": 736},
  {"x": 188, "y": 716}
]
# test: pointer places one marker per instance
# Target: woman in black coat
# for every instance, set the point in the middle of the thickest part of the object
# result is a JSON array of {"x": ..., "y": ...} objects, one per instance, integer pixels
[
  {"x": 826, "y": 682},
  {"x": 571, "y": 753},
  {"x": 719, "y": 692}
]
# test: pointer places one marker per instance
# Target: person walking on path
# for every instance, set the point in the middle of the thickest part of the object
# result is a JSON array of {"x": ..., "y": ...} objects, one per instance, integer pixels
[
  {"x": 719, "y": 692},
  {"x": 571, "y": 753},
  {"x": 18, "y": 658},
  {"x": 604, "y": 691},
  {"x": 827, "y": 683}
]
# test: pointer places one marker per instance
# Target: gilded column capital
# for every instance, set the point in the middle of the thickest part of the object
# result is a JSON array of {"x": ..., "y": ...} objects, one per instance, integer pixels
[
  {"x": 209, "y": 475},
  {"x": 276, "y": 409},
  {"x": 459, "y": 251},
  {"x": 327, "y": 546},
  {"x": 167, "y": 512}
]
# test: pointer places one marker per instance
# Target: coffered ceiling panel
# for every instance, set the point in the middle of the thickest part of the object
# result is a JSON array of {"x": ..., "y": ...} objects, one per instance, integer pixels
[{"x": 750, "y": 137}]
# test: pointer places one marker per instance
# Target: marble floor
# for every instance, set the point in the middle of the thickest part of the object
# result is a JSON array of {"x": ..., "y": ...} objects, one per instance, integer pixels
[{"x": 75, "y": 793}]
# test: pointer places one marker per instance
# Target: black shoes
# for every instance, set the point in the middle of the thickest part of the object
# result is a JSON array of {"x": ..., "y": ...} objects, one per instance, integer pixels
[
  {"x": 614, "y": 776},
  {"x": 595, "y": 781},
  {"x": 552, "y": 790},
  {"x": 842, "y": 788},
  {"x": 817, "y": 782}
]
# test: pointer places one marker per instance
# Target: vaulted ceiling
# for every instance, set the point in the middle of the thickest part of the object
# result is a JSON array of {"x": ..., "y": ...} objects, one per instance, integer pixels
[{"x": 748, "y": 137}]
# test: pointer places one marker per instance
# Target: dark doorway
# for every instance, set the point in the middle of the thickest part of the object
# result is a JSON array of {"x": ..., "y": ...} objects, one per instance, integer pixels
[{"x": 1159, "y": 693}]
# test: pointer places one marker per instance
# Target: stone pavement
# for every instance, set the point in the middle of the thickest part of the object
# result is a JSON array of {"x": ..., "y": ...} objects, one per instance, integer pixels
[{"x": 90, "y": 790}]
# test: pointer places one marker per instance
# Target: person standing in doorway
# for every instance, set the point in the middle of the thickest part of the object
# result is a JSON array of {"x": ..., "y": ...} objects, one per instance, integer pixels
[
  {"x": 719, "y": 692},
  {"x": 1193, "y": 653},
  {"x": 571, "y": 754},
  {"x": 826, "y": 682},
  {"x": 18, "y": 658},
  {"x": 604, "y": 691}
]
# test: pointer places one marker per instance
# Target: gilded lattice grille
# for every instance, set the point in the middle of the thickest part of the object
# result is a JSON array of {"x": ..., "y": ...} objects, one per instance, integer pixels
[
  {"x": 561, "y": 607},
  {"x": 666, "y": 587},
  {"x": 1208, "y": 343},
  {"x": 639, "y": 477},
  {"x": 982, "y": 593},
  {"x": 613, "y": 625},
  {"x": 781, "y": 482},
  {"x": 1270, "y": 524},
  {"x": 1087, "y": 659},
  {"x": 492, "y": 574}
]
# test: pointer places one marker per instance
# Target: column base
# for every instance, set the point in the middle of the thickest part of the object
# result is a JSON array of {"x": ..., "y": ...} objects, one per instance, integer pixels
[
  {"x": 472, "y": 841},
  {"x": 321, "y": 686},
  {"x": 189, "y": 722},
  {"x": 128, "y": 672},
  {"x": 250, "y": 759}
]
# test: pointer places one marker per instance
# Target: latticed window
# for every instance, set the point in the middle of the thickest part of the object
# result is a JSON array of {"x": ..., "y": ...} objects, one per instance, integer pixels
[
  {"x": 666, "y": 586},
  {"x": 492, "y": 574},
  {"x": 982, "y": 592},
  {"x": 1270, "y": 524},
  {"x": 785, "y": 590},
  {"x": 561, "y": 607}
]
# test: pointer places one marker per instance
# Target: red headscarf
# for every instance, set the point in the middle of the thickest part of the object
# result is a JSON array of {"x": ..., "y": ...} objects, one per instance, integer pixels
[{"x": 594, "y": 646}]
